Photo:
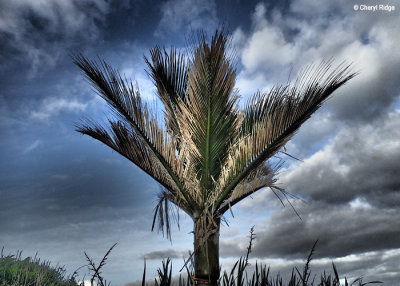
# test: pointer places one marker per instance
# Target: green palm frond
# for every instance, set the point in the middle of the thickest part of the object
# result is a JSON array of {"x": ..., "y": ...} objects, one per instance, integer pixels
[
  {"x": 271, "y": 119},
  {"x": 209, "y": 117}
]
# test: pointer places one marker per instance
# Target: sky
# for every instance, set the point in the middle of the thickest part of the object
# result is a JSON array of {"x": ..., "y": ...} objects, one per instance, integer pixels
[{"x": 62, "y": 193}]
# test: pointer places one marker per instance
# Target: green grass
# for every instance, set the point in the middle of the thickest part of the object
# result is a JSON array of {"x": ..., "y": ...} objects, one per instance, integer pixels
[{"x": 15, "y": 271}]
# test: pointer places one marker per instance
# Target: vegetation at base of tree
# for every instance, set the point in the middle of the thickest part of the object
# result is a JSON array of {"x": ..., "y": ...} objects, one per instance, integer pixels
[
  {"x": 238, "y": 276},
  {"x": 15, "y": 271}
]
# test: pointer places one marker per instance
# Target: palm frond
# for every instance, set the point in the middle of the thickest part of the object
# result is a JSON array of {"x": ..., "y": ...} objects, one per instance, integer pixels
[
  {"x": 208, "y": 117},
  {"x": 271, "y": 119},
  {"x": 163, "y": 212},
  {"x": 262, "y": 177},
  {"x": 169, "y": 72},
  {"x": 126, "y": 102},
  {"x": 129, "y": 145}
]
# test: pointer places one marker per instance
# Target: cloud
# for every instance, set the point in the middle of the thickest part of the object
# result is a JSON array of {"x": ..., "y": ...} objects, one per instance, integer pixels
[
  {"x": 266, "y": 47},
  {"x": 52, "y": 106},
  {"x": 163, "y": 254},
  {"x": 87, "y": 283},
  {"x": 371, "y": 266},
  {"x": 187, "y": 15},
  {"x": 279, "y": 45},
  {"x": 145, "y": 85},
  {"x": 38, "y": 31},
  {"x": 357, "y": 240},
  {"x": 360, "y": 161},
  {"x": 314, "y": 134},
  {"x": 374, "y": 90},
  {"x": 341, "y": 230},
  {"x": 32, "y": 146},
  {"x": 352, "y": 191}
]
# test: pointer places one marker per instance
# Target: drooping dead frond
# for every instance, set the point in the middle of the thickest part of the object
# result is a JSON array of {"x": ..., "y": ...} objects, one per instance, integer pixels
[
  {"x": 163, "y": 212},
  {"x": 271, "y": 119}
]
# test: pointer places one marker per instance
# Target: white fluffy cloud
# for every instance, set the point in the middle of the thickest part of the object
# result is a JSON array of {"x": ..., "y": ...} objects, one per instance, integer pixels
[
  {"x": 266, "y": 46},
  {"x": 278, "y": 43}
]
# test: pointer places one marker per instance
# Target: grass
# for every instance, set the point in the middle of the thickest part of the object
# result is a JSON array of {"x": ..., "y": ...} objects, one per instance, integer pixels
[
  {"x": 15, "y": 271},
  {"x": 238, "y": 276}
]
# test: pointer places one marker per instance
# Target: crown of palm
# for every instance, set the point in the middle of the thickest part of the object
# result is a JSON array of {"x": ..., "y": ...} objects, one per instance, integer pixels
[{"x": 209, "y": 154}]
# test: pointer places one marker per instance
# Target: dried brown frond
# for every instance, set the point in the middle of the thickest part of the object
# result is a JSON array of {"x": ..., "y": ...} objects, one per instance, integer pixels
[
  {"x": 124, "y": 141},
  {"x": 262, "y": 177},
  {"x": 164, "y": 211},
  {"x": 169, "y": 72},
  {"x": 137, "y": 122}
]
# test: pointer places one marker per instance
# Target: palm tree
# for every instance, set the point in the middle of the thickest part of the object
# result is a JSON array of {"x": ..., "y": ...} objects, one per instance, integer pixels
[{"x": 207, "y": 153}]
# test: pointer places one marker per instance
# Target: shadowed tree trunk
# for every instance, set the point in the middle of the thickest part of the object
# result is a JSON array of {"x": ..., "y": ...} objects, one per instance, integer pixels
[{"x": 206, "y": 247}]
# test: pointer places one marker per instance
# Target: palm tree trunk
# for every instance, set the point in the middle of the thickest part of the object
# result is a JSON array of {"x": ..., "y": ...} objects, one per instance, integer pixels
[{"x": 206, "y": 257}]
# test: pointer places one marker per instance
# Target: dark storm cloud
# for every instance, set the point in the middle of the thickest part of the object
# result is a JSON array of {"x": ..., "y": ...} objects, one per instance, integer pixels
[
  {"x": 361, "y": 161},
  {"x": 230, "y": 249},
  {"x": 341, "y": 230},
  {"x": 360, "y": 240},
  {"x": 352, "y": 190},
  {"x": 370, "y": 95},
  {"x": 38, "y": 31}
]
